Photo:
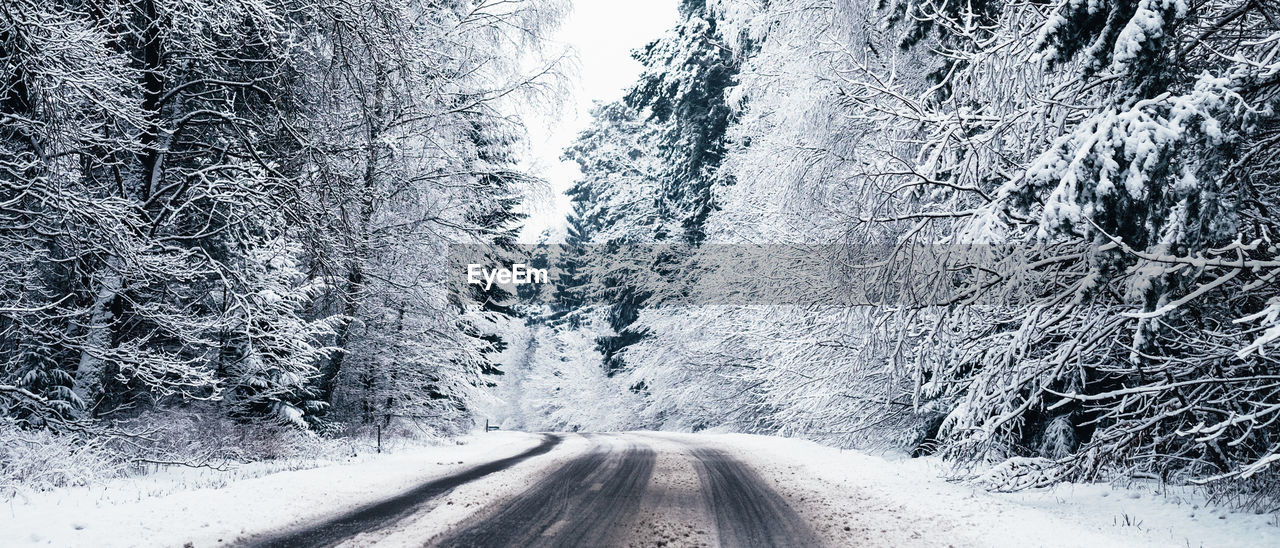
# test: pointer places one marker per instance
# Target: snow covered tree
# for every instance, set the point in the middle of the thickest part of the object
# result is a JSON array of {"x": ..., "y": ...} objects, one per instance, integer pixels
[
  {"x": 616, "y": 212},
  {"x": 1085, "y": 191},
  {"x": 224, "y": 200},
  {"x": 650, "y": 164},
  {"x": 270, "y": 350},
  {"x": 565, "y": 388},
  {"x": 143, "y": 132},
  {"x": 684, "y": 93},
  {"x": 409, "y": 154}
]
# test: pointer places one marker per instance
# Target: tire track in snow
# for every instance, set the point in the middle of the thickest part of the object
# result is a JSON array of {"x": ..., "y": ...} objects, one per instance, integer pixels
[
  {"x": 747, "y": 511},
  {"x": 584, "y": 503},
  {"x": 377, "y": 515}
]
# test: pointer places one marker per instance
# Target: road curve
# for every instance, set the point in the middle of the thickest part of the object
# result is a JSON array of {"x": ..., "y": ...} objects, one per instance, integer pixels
[{"x": 380, "y": 514}]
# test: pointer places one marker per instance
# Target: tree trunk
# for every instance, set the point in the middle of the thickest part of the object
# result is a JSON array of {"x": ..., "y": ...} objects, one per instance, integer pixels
[
  {"x": 354, "y": 291},
  {"x": 97, "y": 341}
]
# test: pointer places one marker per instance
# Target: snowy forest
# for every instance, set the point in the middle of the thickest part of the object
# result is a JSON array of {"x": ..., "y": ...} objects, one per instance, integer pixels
[
  {"x": 1085, "y": 193},
  {"x": 228, "y": 220},
  {"x": 234, "y": 212}
]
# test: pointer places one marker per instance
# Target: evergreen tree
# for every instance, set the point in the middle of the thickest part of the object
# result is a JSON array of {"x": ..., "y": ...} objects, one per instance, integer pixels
[
  {"x": 673, "y": 122},
  {"x": 684, "y": 93}
]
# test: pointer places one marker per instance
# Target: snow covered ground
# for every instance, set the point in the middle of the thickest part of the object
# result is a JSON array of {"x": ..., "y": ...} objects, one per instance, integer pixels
[
  {"x": 154, "y": 511},
  {"x": 904, "y": 502},
  {"x": 849, "y": 498}
]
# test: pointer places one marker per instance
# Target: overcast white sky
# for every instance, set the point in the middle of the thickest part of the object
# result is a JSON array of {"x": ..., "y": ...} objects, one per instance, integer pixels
[{"x": 602, "y": 33}]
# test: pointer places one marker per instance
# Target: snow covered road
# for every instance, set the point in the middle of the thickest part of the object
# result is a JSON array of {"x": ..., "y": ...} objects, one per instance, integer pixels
[
  {"x": 616, "y": 490},
  {"x": 580, "y": 504},
  {"x": 626, "y": 489},
  {"x": 609, "y": 496},
  {"x": 376, "y": 515}
]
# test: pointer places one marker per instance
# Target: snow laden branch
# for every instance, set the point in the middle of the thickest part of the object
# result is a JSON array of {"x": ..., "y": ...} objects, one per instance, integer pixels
[{"x": 1090, "y": 185}]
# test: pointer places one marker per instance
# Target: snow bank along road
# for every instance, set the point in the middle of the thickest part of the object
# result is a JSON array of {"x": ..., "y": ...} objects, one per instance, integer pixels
[{"x": 617, "y": 490}]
